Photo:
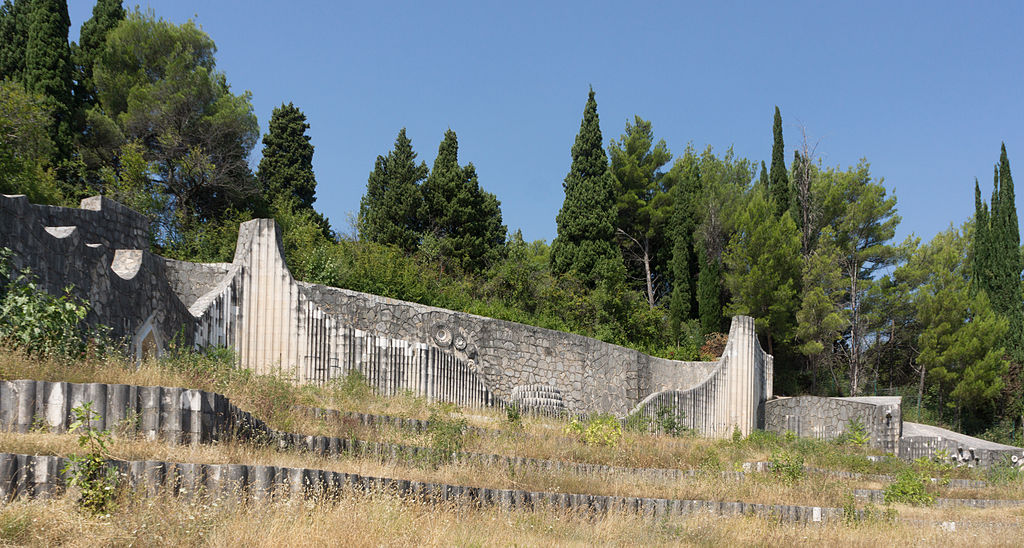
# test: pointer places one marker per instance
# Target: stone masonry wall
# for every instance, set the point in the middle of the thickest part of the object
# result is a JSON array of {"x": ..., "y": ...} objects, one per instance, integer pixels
[
  {"x": 828, "y": 418},
  {"x": 104, "y": 259}
]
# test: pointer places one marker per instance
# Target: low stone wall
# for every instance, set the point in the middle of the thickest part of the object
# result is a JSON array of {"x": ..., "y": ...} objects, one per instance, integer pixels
[
  {"x": 41, "y": 476},
  {"x": 829, "y": 418}
]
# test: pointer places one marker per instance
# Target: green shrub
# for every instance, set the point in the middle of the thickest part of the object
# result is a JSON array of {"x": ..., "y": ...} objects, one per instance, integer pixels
[
  {"x": 603, "y": 429},
  {"x": 909, "y": 488},
  {"x": 856, "y": 434},
  {"x": 36, "y": 322},
  {"x": 90, "y": 473},
  {"x": 670, "y": 422},
  {"x": 787, "y": 467},
  {"x": 447, "y": 432}
]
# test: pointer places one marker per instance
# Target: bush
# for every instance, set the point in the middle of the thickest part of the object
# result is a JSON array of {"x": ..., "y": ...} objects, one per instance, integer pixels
[
  {"x": 36, "y": 322},
  {"x": 856, "y": 434},
  {"x": 787, "y": 467},
  {"x": 603, "y": 429},
  {"x": 909, "y": 488},
  {"x": 447, "y": 433},
  {"x": 90, "y": 473}
]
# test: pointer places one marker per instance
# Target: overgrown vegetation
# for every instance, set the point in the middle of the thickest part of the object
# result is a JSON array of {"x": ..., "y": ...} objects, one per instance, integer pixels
[
  {"x": 909, "y": 488},
  {"x": 95, "y": 480}
]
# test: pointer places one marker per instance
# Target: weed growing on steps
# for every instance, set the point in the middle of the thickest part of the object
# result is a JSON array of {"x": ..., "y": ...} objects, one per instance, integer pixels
[
  {"x": 603, "y": 430},
  {"x": 89, "y": 472},
  {"x": 447, "y": 432},
  {"x": 909, "y": 488}
]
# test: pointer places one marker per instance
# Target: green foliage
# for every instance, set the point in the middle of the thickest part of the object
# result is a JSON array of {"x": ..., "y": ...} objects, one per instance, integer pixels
[
  {"x": 669, "y": 421},
  {"x": 939, "y": 465},
  {"x": 447, "y": 432},
  {"x": 157, "y": 83},
  {"x": 286, "y": 168},
  {"x": 763, "y": 269},
  {"x": 14, "y": 22},
  {"x": 601, "y": 430},
  {"x": 787, "y": 467},
  {"x": 778, "y": 179},
  {"x": 909, "y": 488},
  {"x": 461, "y": 222},
  {"x": 684, "y": 178},
  {"x": 90, "y": 473},
  {"x": 39, "y": 323},
  {"x": 389, "y": 211},
  {"x": 856, "y": 434},
  {"x": 25, "y": 145},
  {"x": 48, "y": 68},
  {"x": 106, "y": 15},
  {"x": 586, "y": 222},
  {"x": 644, "y": 205}
]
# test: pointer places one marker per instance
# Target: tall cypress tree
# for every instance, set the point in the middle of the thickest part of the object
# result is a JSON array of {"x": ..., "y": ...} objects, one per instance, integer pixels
[
  {"x": 106, "y": 14},
  {"x": 461, "y": 222},
  {"x": 778, "y": 179},
  {"x": 709, "y": 292},
  {"x": 685, "y": 190},
  {"x": 762, "y": 181},
  {"x": 14, "y": 20},
  {"x": 981, "y": 273},
  {"x": 286, "y": 169},
  {"x": 48, "y": 68},
  {"x": 1007, "y": 299},
  {"x": 586, "y": 222},
  {"x": 388, "y": 212}
]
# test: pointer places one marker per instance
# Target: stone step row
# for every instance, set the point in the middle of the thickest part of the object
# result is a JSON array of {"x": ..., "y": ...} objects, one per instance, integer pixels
[
  {"x": 766, "y": 466},
  {"x": 180, "y": 415},
  {"x": 44, "y": 476},
  {"x": 878, "y": 495}
]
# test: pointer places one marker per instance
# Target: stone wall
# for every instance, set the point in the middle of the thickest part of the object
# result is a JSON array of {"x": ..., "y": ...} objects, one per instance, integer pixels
[
  {"x": 101, "y": 252},
  {"x": 828, "y": 418},
  {"x": 314, "y": 333}
]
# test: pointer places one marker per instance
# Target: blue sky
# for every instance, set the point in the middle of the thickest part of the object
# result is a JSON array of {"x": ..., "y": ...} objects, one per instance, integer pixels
[{"x": 924, "y": 91}]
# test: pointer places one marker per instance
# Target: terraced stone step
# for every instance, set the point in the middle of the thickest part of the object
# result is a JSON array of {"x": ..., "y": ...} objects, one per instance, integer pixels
[
  {"x": 42, "y": 476},
  {"x": 878, "y": 495}
]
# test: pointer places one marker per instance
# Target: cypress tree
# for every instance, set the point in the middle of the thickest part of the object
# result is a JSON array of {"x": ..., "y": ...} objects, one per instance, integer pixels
[
  {"x": 586, "y": 222},
  {"x": 286, "y": 169},
  {"x": 762, "y": 181},
  {"x": 778, "y": 179},
  {"x": 48, "y": 68},
  {"x": 14, "y": 19},
  {"x": 981, "y": 275},
  {"x": 709, "y": 292},
  {"x": 683, "y": 302},
  {"x": 388, "y": 212},
  {"x": 106, "y": 14},
  {"x": 1008, "y": 298},
  {"x": 461, "y": 221}
]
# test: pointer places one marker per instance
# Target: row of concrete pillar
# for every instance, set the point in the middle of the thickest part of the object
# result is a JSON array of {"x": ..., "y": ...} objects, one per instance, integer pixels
[{"x": 41, "y": 476}]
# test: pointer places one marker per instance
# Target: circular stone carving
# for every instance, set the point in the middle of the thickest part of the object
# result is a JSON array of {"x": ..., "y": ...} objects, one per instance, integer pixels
[
  {"x": 460, "y": 343},
  {"x": 471, "y": 364},
  {"x": 442, "y": 335}
]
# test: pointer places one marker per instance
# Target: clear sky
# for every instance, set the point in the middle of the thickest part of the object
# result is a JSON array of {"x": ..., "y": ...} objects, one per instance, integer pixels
[{"x": 925, "y": 91}]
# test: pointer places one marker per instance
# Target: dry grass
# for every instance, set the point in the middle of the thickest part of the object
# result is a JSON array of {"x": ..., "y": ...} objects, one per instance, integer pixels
[
  {"x": 765, "y": 488},
  {"x": 358, "y": 519}
]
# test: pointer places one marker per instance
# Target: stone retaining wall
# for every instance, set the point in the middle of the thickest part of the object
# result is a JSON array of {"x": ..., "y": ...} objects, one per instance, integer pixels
[
  {"x": 829, "y": 418},
  {"x": 43, "y": 476}
]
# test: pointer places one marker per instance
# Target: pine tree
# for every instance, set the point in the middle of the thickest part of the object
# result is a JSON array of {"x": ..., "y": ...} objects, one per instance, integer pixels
[
  {"x": 14, "y": 20},
  {"x": 586, "y": 222},
  {"x": 388, "y": 212},
  {"x": 48, "y": 68},
  {"x": 286, "y": 169},
  {"x": 106, "y": 14},
  {"x": 778, "y": 179}
]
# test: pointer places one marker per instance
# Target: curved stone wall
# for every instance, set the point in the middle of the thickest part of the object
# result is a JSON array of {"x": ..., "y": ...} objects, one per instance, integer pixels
[{"x": 731, "y": 397}]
